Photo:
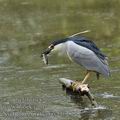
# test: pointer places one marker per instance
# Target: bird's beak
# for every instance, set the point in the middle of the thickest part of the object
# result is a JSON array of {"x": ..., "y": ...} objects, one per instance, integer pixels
[
  {"x": 44, "y": 55},
  {"x": 47, "y": 51}
]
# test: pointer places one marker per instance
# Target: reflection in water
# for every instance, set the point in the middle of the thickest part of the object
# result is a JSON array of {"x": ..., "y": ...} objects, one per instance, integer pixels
[
  {"x": 108, "y": 96},
  {"x": 54, "y": 66},
  {"x": 86, "y": 113},
  {"x": 28, "y": 88}
]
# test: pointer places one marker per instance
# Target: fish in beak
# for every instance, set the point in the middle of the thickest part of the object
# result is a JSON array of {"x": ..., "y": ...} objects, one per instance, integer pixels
[{"x": 45, "y": 53}]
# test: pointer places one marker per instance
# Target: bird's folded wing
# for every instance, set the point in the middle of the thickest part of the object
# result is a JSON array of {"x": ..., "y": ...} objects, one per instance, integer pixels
[{"x": 82, "y": 41}]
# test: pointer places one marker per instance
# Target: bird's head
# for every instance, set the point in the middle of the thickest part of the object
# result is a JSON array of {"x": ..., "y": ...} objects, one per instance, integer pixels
[
  {"x": 56, "y": 45},
  {"x": 48, "y": 50}
]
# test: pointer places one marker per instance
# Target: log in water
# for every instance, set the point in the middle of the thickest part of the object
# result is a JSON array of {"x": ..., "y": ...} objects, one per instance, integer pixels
[{"x": 81, "y": 89}]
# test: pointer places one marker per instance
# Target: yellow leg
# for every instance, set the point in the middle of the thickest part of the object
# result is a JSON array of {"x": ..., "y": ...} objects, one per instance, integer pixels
[{"x": 86, "y": 77}]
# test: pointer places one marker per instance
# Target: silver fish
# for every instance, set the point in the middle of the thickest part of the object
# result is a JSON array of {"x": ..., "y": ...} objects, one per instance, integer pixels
[{"x": 45, "y": 58}]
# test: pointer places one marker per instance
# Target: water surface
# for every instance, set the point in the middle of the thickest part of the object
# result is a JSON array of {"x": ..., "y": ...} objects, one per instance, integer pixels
[{"x": 31, "y": 90}]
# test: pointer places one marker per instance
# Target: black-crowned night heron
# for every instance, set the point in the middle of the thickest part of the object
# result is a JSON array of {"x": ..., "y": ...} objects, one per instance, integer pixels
[{"x": 83, "y": 52}]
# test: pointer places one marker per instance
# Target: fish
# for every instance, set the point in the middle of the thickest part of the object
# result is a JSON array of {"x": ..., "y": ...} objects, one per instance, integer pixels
[{"x": 45, "y": 59}]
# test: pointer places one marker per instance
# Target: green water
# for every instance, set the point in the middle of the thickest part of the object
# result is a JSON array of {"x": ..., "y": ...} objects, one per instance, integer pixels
[{"x": 30, "y": 90}]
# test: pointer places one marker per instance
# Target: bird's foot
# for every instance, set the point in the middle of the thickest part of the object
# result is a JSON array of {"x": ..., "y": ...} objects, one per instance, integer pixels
[{"x": 76, "y": 85}]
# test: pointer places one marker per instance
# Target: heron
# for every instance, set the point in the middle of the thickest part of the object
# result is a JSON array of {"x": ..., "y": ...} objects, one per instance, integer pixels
[{"x": 82, "y": 51}]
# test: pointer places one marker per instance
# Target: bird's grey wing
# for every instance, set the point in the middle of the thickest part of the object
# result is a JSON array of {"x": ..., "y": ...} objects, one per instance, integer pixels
[
  {"x": 82, "y": 41},
  {"x": 87, "y": 58}
]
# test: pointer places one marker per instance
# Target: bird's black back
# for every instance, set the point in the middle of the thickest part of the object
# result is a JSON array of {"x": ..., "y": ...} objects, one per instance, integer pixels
[{"x": 82, "y": 41}]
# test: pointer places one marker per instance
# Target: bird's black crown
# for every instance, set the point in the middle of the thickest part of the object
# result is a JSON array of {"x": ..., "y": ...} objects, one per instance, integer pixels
[{"x": 56, "y": 42}]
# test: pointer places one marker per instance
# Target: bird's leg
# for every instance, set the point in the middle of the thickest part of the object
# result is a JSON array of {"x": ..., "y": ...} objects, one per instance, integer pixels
[{"x": 86, "y": 77}]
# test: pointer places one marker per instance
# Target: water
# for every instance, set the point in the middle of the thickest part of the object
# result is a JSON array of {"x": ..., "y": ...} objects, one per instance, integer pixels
[{"x": 31, "y": 90}]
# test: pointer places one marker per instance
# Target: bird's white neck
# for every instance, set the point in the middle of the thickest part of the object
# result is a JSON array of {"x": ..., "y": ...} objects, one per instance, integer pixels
[{"x": 60, "y": 49}]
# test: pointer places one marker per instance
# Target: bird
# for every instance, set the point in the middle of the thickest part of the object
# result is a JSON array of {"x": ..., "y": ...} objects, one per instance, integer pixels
[{"x": 82, "y": 51}]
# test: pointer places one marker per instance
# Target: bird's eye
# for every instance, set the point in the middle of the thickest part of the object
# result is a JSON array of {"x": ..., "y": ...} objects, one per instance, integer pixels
[{"x": 51, "y": 46}]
